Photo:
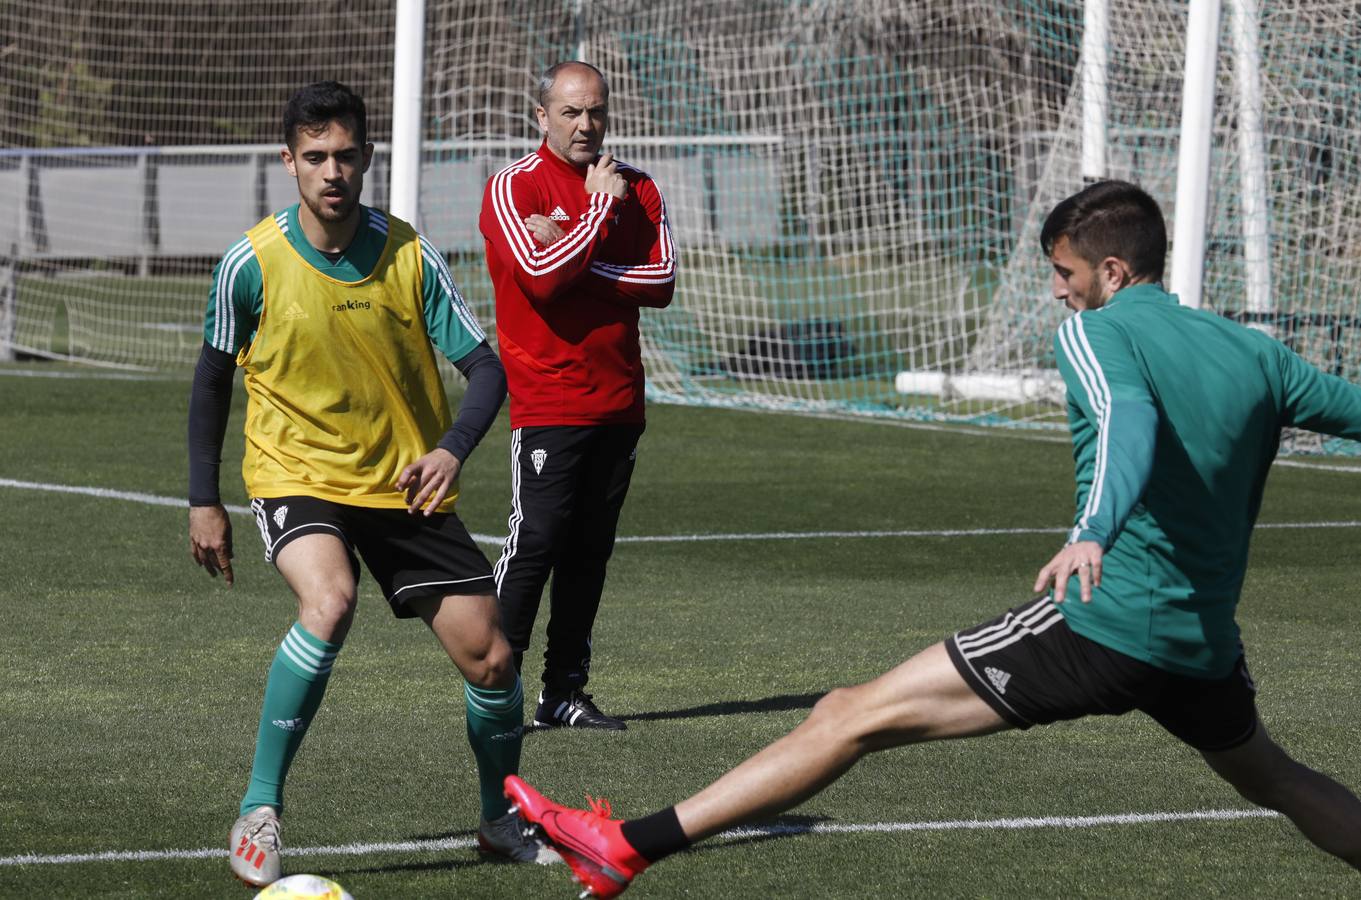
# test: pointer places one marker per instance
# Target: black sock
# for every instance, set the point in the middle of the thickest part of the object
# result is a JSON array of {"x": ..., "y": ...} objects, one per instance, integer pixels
[{"x": 657, "y": 835}]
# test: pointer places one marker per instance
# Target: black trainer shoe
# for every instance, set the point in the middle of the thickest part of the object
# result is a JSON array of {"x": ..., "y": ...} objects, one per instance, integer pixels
[{"x": 573, "y": 710}]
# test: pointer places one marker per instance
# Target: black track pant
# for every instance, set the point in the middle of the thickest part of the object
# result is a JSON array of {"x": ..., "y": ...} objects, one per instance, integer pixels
[{"x": 568, "y": 485}]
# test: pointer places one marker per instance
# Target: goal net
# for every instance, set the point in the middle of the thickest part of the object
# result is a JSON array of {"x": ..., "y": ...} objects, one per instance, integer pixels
[{"x": 855, "y": 186}]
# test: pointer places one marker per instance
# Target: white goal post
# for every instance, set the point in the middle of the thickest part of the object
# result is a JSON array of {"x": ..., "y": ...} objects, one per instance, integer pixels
[{"x": 1193, "y": 183}]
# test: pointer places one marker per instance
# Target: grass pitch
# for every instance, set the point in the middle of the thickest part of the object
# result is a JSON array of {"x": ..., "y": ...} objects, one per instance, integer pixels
[{"x": 133, "y": 681}]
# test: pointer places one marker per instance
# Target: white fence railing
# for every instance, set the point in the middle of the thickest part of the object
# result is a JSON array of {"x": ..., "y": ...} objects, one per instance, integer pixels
[{"x": 137, "y": 204}]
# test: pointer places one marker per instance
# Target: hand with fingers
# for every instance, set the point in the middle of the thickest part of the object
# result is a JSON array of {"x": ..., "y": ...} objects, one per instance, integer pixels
[
  {"x": 428, "y": 480},
  {"x": 602, "y": 177},
  {"x": 544, "y": 229},
  {"x": 210, "y": 540},
  {"x": 1082, "y": 559}
]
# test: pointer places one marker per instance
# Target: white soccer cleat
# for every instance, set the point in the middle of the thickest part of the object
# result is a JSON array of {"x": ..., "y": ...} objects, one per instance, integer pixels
[
  {"x": 254, "y": 847},
  {"x": 506, "y": 836}
]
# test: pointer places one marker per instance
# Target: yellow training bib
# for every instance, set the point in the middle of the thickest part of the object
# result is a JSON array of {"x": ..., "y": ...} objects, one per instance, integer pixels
[{"x": 341, "y": 376}]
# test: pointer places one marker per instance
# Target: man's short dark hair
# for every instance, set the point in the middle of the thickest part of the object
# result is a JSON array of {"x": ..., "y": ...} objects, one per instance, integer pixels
[
  {"x": 317, "y": 105},
  {"x": 1111, "y": 218},
  {"x": 550, "y": 75}
]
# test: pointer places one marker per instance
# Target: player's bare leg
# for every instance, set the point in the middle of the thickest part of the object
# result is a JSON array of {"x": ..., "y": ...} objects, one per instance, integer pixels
[
  {"x": 317, "y": 568},
  {"x": 924, "y": 699},
  {"x": 1325, "y": 811},
  {"x": 469, "y": 629}
]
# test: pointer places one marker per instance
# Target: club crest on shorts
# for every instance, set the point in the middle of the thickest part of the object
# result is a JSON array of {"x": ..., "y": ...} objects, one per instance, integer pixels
[
  {"x": 538, "y": 458},
  {"x": 279, "y": 515}
]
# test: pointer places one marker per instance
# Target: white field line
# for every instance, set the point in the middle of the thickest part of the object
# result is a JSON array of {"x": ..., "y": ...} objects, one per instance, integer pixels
[
  {"x": 108, "y": 493},
  {"x": 1316, "y": 466},
  {"x": 1199, "y": 815},
  {"x": 1057, "y": 435},
  {"x": 101, "y": 376},
  {"x": 158, "y": 500}
]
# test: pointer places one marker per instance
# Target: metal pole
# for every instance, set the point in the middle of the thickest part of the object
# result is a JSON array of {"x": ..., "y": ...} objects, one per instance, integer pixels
[
  {"x": 408, "y": 73},
  {"x": 1193, "y": 157},
  {"x": 1252, "y": 155},
  {"x": 579, "y": 28},
  {"x": 9, "y": 303},
  {"x": 9, "y": 265},
  {"x": 1095, "y": 62}
]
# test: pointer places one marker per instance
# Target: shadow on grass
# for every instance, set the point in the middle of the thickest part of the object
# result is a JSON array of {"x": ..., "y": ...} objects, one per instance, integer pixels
[
  {"x": 436, "y": 865},
  {"x": 782, "y": 703},
  {"x": 750, "y": 835},
  {"x": 781, "y": 827}
]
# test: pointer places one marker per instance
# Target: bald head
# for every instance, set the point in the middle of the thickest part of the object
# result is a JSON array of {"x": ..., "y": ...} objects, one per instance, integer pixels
[
  {"x": 574, "y": 111},
  {"x": 573, "y": 69}
]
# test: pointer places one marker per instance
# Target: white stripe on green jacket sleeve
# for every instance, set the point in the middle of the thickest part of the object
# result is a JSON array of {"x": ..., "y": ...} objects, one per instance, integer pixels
[{"x": 1114, "y": 422}]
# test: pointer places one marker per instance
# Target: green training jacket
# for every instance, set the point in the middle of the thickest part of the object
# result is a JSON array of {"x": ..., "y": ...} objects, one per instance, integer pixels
[{"x": 1176, "y": 415}]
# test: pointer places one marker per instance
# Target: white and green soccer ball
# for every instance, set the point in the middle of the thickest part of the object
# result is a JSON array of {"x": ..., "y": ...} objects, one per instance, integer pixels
[{"x": 304, "y": 887}]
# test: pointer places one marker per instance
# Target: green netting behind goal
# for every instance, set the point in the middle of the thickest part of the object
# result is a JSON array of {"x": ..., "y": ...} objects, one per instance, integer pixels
[{"x": 856, "y": 186}]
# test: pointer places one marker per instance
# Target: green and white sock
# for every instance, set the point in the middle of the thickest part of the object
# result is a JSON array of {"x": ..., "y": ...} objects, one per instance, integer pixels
[
  {"x": 495, "y": 732},
  {"x": 297, "y": 682}
]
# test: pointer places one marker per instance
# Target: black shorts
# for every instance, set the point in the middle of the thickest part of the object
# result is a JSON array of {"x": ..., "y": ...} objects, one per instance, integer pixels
[
  {"x": 411, "y": 557},
  {"x": 1030, "y": 667}
]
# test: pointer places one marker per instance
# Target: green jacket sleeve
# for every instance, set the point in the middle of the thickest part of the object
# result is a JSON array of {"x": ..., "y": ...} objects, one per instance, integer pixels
[
  {"x": 1316, "y": 401},
  {"x": 1114, "y": 422}
]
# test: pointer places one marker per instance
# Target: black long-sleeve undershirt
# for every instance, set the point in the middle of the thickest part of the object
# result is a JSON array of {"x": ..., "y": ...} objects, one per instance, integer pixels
[
  {"x": 210, "y": 403},
  {"x": 210, "y": 400},
  {"x": 482, "y": 400}
]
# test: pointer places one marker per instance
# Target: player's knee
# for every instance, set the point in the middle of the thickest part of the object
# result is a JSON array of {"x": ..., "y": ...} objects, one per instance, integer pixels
[
  {"x": 490, "y": 666},
  {"x": 857, "y": 715},
  {"x": 329, "y": 609},
  {"x": 836, "y": 710}
]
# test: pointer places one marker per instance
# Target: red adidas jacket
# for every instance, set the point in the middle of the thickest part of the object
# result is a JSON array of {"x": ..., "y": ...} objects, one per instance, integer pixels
[{"x": 567, "y": 314}]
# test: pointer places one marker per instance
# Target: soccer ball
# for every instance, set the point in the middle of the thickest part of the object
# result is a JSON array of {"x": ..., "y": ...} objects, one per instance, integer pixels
[{"x": 304, "y": 887}]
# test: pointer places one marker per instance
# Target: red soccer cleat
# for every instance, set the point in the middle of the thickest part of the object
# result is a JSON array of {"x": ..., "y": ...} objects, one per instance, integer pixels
[{"x": 589, "y": 841}]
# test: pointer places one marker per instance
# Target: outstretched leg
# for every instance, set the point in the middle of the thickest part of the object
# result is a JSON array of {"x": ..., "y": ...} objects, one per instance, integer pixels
[
  {"x": 923, "y": 699},
  {"x": 1325, "y": 811}
]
